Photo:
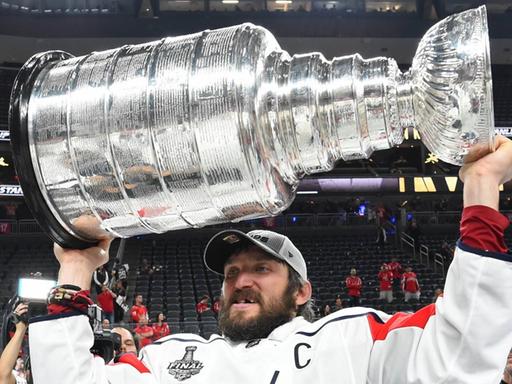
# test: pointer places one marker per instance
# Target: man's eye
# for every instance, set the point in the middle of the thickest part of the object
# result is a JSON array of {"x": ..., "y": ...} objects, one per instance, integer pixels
[
  {"x": 231, "y": 273},
  {"x": 262, "y": 268}
]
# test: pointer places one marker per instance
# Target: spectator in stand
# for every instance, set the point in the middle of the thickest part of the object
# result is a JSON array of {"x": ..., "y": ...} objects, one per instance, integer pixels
[
  {"x": 120, "y": 306},
  {"x": 507, "y": 374},
  {"x": 216, "y": 305},
  {"x": 447, "y": 251},
  {"x": 120, "y": 273},
  {"x": 100, "y": 277},
  {"x": 414, "y": 231},
  {"x": 354, "y": 285},
  {"x": 143, "y": 332},
  {"x": 106, "y": 301},
  {"x": 203, "y": 306},
  {"x": 326, "y": 310},
  {"x": 386, "y": 283},
  {"x": 410, "y": 285},
  {"x": 128, "y": 344},
  {"x": 19, "y": 372},
  {"x": 8, "y": 359},
  {"x": 105, "y": 324},
  {"x": 338, "y": 304},
  {"x": 160, "y": 327},
  {"x": 146, "y": 267},
  {"x": 395, "y": 267},
  {"x": 138, "y": 309},
  {"x": 438, "y": 292}
]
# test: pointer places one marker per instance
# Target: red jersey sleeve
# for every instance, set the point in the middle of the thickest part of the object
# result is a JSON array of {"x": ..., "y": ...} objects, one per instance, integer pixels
[{"x": 483, "y": 228}]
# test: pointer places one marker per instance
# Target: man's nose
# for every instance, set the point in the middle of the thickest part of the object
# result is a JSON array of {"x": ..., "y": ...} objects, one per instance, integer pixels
[{"x": 244, "y": 280}]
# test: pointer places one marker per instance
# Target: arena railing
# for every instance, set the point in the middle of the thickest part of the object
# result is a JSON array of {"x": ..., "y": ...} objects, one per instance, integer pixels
[
  {"x": 407, "y": 243},
  {"x": 424, "y": 255},
  {"x": 439, "y": 261}
]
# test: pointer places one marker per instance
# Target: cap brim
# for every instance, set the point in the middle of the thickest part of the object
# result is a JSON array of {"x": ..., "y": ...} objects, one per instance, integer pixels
[{"x": 221, "y": 246}]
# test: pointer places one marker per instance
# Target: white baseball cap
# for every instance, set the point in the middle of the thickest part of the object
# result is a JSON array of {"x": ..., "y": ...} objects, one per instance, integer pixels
[{"x": 221, "y": 246}]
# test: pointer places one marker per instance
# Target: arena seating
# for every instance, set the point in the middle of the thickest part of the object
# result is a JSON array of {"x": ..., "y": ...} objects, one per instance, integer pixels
[{"x": 22, "y": 258}]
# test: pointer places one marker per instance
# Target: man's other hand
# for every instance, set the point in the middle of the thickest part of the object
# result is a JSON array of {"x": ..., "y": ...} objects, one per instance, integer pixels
[
  {"x": 495, "y": 166},
  {"x": 483, "y": 176}
]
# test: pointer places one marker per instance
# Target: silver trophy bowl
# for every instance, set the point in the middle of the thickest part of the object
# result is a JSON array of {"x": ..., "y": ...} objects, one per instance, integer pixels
[{"x": 221, "y": 125}]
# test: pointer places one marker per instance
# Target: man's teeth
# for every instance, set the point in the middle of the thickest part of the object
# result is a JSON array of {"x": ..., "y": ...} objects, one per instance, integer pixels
[{"x": 246, "y": 301}]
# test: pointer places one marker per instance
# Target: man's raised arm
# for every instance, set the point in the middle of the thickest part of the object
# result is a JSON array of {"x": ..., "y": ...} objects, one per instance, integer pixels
[
  {"x": 60, "y": 342},
  {"x": 466, "y": 335}
]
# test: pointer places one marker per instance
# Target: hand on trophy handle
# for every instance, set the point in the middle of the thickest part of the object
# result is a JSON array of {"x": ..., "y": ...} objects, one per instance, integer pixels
[
  {"x": 78, "y": 265},
  {"x": 482, "y": 175}
]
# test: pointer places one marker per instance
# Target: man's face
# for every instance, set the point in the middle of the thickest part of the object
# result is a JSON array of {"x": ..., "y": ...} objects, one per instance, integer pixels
[
  {"x": 138, "y": 299},
  {"x": 105, "y": 323},
  {"x": 127, "y": 342},
  {"x": 353, "y": 272},
  {"x": 143, "y": 320},
  {"x": 255, "y": 298}
]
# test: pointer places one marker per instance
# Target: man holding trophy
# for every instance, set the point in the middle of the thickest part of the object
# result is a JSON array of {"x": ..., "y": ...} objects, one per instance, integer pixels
[{"x": 221, "y": 126}]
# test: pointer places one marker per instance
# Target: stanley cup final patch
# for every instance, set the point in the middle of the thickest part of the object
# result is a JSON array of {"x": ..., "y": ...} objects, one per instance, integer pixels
[{"x": 186, "y": 367}]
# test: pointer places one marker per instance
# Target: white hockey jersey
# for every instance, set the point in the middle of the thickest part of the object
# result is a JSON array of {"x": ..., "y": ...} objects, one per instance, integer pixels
[{"x": 464, "y": 338}]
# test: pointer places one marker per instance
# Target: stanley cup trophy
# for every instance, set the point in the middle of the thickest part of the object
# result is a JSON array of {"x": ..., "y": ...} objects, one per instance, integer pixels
[{"x": 221, "y": 125}]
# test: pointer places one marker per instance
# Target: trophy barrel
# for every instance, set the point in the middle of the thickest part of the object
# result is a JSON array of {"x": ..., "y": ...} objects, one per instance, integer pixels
[{"x": 20, "y": 143}]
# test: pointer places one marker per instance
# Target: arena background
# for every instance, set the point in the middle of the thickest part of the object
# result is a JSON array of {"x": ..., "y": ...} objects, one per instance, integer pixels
[{"x": 335, "y": 218}]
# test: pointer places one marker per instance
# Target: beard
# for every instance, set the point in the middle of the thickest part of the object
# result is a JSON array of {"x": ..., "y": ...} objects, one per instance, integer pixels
[{"x": 273, "y": 313}]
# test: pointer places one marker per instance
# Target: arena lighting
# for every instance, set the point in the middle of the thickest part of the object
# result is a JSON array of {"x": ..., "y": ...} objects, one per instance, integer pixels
[
  {"x": 283, "y": 1},
  {"x": 35, "y": 290},
  {"x": 4, "y": 135},
  {"x": 229, "y": 1},
  {"x": 307, "y": 193}
]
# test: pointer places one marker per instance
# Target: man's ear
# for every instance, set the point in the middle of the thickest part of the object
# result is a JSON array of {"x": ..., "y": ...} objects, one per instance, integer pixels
[{"x": 303, "y": 294}]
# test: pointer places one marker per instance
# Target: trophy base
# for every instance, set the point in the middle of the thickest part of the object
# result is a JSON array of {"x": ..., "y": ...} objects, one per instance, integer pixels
[{"x": 20, "y": 145}]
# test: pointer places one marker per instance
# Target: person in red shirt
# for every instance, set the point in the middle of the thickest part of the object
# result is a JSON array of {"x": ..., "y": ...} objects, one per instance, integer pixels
[
  {"x": 203, "y": 306},
  {"x": 410, "y": 285},
  {"x": 138, "y": 309},
  {"x": 160, "y": 327},
  {"x": 395, "y": 267},
  {"x": 106, "y": 301},
  {"x": 386, "y": 283},
  {"x": 216, "y": 305},
  {"x": 144, "y": 332},
  {"x": 354, "y": 284}
]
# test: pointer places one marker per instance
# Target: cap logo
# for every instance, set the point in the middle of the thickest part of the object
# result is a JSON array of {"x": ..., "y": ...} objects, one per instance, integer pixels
[
  {"x": 231, "y": 239},
  {"x": 290, "y": 254},
  {"x": 263, "y": 239}
]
